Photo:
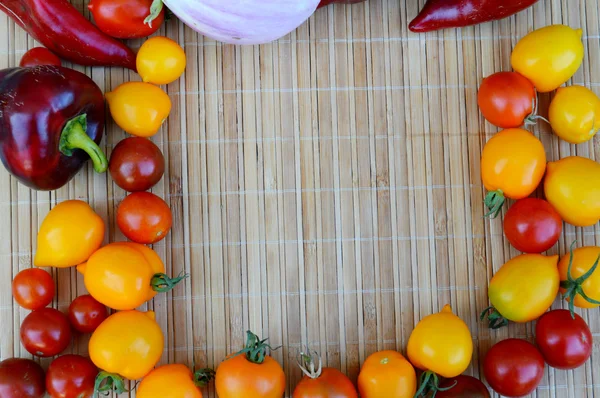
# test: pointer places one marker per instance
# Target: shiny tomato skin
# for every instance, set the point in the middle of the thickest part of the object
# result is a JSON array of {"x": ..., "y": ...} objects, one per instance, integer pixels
[
  {"x": 33, "y": 288},
  {"x": 39, "y": 56},
  {"x": 506, "y": 99},
  {"x": 21, "y": 378},
  {"x": 330, "y": 384},
  {"x": 86, "y": 313},
  {"x": 124, "y": 19},
  {"x": 565, "y": 343},
  {"x": 532, "y": 225},
  {"x": 46, "y": 332},
  {"x": 463, "y": 387},
  {"x": 513, "y": 367},
  {"x": 136, "y": 164},
  {"x": 71, "y": 376},
  {"x": 144, "y": 217}
]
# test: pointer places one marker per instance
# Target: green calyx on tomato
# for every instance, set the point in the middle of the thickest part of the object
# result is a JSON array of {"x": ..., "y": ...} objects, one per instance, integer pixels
[
  {"x": 203, "y": 376},
  {"x": 429, "y": 382},
  {"x": 307, "y": 364},
  {"x": 256, "y": 349},
  {"x": 107, "y": 382},
  {"x": 494, "y": 201},
  {"x": 495, "y": 319},
  {"x": 163, "y": 283},
  {"x": 573, "y": 287}
]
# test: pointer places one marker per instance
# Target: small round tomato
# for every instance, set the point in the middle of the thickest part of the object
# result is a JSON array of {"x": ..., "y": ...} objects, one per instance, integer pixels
[
  {"x": 322, "y": 382},
  {"x": 532, "y": 225},
  {"x": 21, "y": 378},
  {"x": 86, "y": 313},
  {"x": 33, "y": 288},
  {"x": 45, "y": 332},
  {"x": 513, "y": 367},
  {"x": 513, "y": 163},
  {"x": 565, "y": 341},
  {"x": 463, "y": 387},
  {"x": 173, "y": 381},
  {"x": 507, "y": 100},
  {"x": 126, "y": 19},
  {"x": 522, "y": 289},
  {"x": 136, "y": 164},
  {"x": 71, "y": 376},
  {"x": 387, "y": 374},
  {"x": 39, "y": 56},
  {"x": 144, "y": 217},
  {"x": 549, "y": 56},
  {"x": 160, "y": 60},
  {"x": 580, "y": 277},
  {"x": 139, "y": 108},
  {"x": 572, "y": 186},
  {"x": 575, "y": 114}
]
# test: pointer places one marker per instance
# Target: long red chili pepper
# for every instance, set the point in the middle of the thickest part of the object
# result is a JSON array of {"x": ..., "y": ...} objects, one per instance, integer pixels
[
  {"x": 442, "y": 14},
  {"x": 63, "y": 30}
]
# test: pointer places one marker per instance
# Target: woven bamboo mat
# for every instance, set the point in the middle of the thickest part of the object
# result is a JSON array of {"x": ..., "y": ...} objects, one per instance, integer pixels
[{"x": 325, "y": 188}]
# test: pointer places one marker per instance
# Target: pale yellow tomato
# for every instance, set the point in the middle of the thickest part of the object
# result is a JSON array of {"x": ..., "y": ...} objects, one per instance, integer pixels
[
  {"x": 160, "y": 60},
  {"x": 575, "y": 114}
]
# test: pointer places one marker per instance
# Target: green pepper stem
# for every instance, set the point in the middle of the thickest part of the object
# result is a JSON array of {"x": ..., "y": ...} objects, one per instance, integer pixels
[
  {"x": 74, "y": 136},
  {"x": 155, "y": 9}
]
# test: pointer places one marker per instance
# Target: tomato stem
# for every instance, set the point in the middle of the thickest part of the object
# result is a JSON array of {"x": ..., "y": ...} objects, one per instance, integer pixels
[
  {"x": 307, "y": 364},
  {"x": 495, "y": 319},
  {"x": 107, "y": 382},
  {"x": 494, "y": 201},
  {"x": 155, "y": 9},
  {"x": 203, "y": 376},
  {"x": 256, "y": 349},
  {"x": 163, "y": 283},
  {"x": 573, "y": 287},
  {"x": 429, "y": 382}
]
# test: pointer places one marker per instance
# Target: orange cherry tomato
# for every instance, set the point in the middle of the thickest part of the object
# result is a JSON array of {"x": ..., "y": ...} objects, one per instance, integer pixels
[
  {"x": 387, "y": 374},
  {"x": 322, "y": 382},
  {"x": 144, "y": 217},
  {"x": 580, "y": 277},
  {"x": 173, "y": 381}
]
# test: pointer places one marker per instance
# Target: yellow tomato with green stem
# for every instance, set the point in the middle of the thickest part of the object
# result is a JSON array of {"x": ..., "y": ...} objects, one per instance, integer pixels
[
  {"x": 522, "y": 289},
  {"x": 440, "y": 345},
  {"x": 575, "y": 114},
  {"x": 549, "y": 56},
  {"x": 580, "y": 277}
]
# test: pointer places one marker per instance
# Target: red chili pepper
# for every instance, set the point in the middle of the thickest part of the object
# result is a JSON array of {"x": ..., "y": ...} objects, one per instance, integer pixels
[
  {"x": 442, "y": 14},
  {"x": 50, "y": 116},
  {"x": 63, "y": 30},
  {"x": 324, "y": 3}
]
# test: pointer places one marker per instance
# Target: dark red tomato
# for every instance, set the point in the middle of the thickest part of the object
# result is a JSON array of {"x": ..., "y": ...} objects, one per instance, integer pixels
[
  {"x": 45, "y": 332},
  {"x": 21, "y": 378},
  {"x": 86, "y": 314},
  {"x": 136, "y": 164},
  {"x": 71, "y": 376},
  {"x": 513, "y": 367},
  {"x": 33, "y": 288},
  {"x": 124, "y": 19},
  {"x": 144, "y": 217},
  {"x": 565, "y": 343},
  {"x": 532, "y": 225},
  {"x": 507, "y": 99},
  {"x": 39, "y": 56},
  {"x": 463, "y": 387}
]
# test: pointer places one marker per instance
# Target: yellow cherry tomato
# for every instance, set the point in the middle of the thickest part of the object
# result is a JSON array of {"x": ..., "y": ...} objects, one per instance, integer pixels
[
  {"x": 127, "y": 344},
  {"x": 387, "y": 374},
  {"x": 441, "y": 344},
  {"x": 581, "y": 283},
  {"x": 575, "y": 114},
  {"x": 160, "y": 60},
  {"x": 139, "y": 108},
  {"x": 69, "y": 234},
  {"x": 173, "y": 381},
  {"x": 572, "y": 186},
  {"x": 512, "y": 166},
  {"x": 522, "y": 289},
  {"x": 548, "y": 56},
  {"x": 125, "y": 275}
]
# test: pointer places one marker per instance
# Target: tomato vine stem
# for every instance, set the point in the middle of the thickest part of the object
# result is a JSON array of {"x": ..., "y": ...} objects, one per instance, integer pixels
[
  {"x": 574, "y": 287},
  {"x": 256, "y": 349}
]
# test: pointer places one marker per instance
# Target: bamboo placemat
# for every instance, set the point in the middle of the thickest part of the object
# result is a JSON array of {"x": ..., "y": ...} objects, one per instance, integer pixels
[{"x": 325, "y": 188}]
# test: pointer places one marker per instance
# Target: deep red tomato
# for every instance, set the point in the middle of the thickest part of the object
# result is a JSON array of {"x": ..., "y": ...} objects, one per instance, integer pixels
[
  {"x": 39, "y": 56},
  {"x": 532, "y": 225},
  {"x": 144, "y": 217},
  {"x": 33, "y": 288},
  {"x": 507, "y": 99},
  {"x": 124, "y": 19},
  {"x": 513, "y": 367},
  {"x": 463, "y": 387},
  {"x": 21, "y": 378},
  {"x": 71, "y": 376},
  {"x": 136, "y": 164},
  {"x": 45, "y": 332},
  {"x": 86, "y": 314},
  {"x": 565, "y": 343}
]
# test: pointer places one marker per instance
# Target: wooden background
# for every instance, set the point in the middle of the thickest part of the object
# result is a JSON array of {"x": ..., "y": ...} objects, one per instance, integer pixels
[{"x": 325, "y": 188}]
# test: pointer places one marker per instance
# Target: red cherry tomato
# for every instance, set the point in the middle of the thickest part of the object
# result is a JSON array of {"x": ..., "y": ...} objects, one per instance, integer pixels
[
  {"x": 513, "y": 367},
  {"x": 45, "y": 332},
  {"x": 33, "y": 288},
  {"x": 21, "y": 378},
  {"x": 124, "y": 19},
  {"x": 39, "y": 56},
  {"x": 86, "y": 314},
  {"x": 136, "y": 164},
  {"x": 71, "y": 376},
  {"x": 463, "y": 387},
  {"x": 565, "y": 343},
  {"x": 532, "y": 225},
  {"x": 507, "y": 99},
  {"x": 144, "y": 217}
]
